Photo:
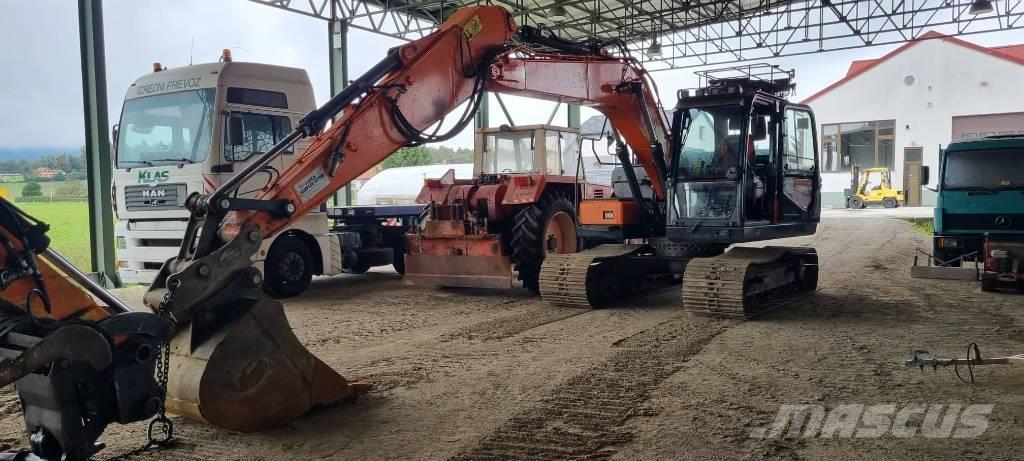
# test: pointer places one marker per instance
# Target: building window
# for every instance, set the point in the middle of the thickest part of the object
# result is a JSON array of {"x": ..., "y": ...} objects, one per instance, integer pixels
[{"x": 865, "y": 144}]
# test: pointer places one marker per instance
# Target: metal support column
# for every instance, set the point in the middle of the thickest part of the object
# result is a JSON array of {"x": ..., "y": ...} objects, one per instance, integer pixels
[
  {"x": 97, "y": 144},
  {"x": 574, "y": 115},
  {"x": 483, "y": 115},
  {"x": 337, "y": 38}
]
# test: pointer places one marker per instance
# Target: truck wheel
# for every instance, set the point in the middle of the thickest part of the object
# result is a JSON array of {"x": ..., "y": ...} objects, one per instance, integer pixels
[
  {"x": 889, "y": 202},
  {"x": 856, "y": 202},
  {"x": 397, "y": 244},
  {"x": 288, "y": 268},
  {"x": 548, "y": 226},
  {"x": 988, "y": 284}
]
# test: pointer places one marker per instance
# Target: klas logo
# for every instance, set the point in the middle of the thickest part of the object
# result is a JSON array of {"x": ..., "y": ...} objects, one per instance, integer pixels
[{"x": 147, "y": 177}]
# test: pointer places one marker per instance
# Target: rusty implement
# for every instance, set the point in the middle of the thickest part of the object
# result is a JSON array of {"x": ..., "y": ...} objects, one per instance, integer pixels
[
  {"x": 454, "y": 250},
  {"x": 954, "y": 269}
]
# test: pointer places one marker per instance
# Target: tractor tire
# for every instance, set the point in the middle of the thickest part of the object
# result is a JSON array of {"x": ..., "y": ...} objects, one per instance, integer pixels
[
  {"x": 856, "y": 202},
  {"x": 288, "y": 268},
  {"x": 547, "y": 226},
  {"x": 889, "y": 202}
]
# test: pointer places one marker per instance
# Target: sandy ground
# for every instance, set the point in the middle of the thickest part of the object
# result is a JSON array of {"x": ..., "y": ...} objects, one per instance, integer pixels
[{"x": 469, "y": 374}]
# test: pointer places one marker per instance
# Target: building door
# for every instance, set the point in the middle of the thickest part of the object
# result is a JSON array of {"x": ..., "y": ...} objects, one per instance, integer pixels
[{"x": 912, "y": 176}]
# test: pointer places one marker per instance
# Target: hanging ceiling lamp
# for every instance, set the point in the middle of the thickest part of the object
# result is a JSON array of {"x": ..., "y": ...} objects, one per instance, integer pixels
[
  {"x": 557, "y": 12},
  {"x": 981, "y": 7}
]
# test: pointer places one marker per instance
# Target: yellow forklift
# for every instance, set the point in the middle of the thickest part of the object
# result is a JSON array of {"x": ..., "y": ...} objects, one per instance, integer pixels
[{"x": 872, "y": 186}]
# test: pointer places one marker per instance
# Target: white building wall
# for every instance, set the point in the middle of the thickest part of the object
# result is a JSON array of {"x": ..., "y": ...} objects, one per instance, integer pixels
[{"x": 950, "y": 80}]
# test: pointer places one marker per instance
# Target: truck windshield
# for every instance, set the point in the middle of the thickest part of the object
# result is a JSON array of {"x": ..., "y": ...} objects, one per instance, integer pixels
[
  {"x": 166, "y": 128},
  {"x": 711, "y": 142},
  {"x": 508, "y": 152},
  {"x": 984, "y": 170}
]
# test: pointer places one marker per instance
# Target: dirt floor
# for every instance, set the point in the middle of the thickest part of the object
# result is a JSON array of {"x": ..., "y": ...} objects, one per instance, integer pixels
[{"x": 469, "y": 374}]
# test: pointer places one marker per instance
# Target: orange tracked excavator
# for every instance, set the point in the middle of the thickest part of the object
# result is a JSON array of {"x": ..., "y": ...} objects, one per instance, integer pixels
[{"x": 234, "y": 361}]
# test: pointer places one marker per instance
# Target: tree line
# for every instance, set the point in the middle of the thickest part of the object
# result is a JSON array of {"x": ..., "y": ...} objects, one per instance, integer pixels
[
  {"x": 428, "y": 155},
  {"x": 72, "y": 166}
]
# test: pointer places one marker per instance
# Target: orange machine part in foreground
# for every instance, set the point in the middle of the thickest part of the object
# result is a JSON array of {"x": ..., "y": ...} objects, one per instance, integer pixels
[{"x": 72, "y": 302}]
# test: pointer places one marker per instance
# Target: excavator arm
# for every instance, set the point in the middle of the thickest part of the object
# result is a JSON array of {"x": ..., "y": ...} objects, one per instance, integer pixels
[{"x": 235, "y": 361}]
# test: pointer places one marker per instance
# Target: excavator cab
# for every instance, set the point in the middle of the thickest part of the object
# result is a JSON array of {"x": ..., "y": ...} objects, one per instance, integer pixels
[
  {"x": 744, "y": 164},
  {"x": 741, "y": 167}
]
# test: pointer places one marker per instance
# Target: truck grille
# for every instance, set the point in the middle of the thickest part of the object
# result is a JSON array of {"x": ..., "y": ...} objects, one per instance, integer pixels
[
  {"x": 158, "y": 197},
  {"x": 986, "y": 221}
]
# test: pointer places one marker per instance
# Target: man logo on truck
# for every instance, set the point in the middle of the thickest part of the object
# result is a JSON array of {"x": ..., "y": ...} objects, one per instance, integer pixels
[
  {"x": 154, "y": 193},
  {"x": 146, "y": 177}
]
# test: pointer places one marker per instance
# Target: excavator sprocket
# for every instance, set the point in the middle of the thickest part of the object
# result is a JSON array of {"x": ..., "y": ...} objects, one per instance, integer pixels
[
  {"x": 584, "y": 279},
  {"x": 251, "y": 375},
  {"x": 746, "y": 282}
]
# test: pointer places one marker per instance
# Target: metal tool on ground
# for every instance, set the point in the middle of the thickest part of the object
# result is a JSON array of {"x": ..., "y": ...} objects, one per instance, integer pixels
[
  {"x": 79, "y": 358},
  {"x": 741, "y": 166},
  {"x": 519, "y": 207},
  {"x": 872, "y": 186},
  {"x": 973, "y": 359}
]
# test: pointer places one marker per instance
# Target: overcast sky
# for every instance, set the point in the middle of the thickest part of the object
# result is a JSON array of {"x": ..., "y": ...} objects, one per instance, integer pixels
[{"x": 40, "y": 85}]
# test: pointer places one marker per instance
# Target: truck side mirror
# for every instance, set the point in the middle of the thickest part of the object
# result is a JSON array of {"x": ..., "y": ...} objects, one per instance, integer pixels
[
  {"x": 925, "y": 175},
  {"x": 114, "y": 131},
  {"x": 236, "y": 131}
]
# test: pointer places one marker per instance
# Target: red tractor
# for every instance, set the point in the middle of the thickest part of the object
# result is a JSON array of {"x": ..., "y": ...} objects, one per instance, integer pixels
[{"x": 520, "y": 206}]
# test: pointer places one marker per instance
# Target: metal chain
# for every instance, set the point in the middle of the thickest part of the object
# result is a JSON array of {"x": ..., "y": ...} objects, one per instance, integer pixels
[{"x": 161, "y": 429}]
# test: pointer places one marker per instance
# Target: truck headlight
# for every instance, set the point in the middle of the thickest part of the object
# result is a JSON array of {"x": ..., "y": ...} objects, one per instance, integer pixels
[
  {"x": 122, "y": 243},
  {"x": 1000, "y": 254},
  {"x": 947, "y": 242}
]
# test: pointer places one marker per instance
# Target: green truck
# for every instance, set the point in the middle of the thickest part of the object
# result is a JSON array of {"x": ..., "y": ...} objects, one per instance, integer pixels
[{"x": 980, "y": 200}]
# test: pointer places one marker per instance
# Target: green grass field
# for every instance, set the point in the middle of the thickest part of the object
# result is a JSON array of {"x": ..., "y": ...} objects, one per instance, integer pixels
[{"x": 69, "y": 228}]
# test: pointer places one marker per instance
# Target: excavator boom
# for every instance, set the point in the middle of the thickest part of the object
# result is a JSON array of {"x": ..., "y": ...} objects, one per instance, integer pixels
[{"x": 235, "y": 362}]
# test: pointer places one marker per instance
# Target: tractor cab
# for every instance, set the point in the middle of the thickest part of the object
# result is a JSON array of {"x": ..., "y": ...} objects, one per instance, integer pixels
[
  {"x": 743, "y": 162},
  {"x": 526, "y": 150}
]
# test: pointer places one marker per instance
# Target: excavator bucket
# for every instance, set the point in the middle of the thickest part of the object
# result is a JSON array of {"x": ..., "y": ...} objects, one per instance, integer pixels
[{"x": 251, "y": 375}]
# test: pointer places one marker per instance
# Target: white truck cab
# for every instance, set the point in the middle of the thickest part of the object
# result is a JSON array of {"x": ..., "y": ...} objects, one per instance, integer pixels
[{"x": 172, "y": 141}]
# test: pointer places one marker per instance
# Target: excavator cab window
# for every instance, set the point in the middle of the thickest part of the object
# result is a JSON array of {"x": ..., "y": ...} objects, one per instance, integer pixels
[
  {"x": 711, "y": 143},
  {"x": 710, "y": 162}
]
